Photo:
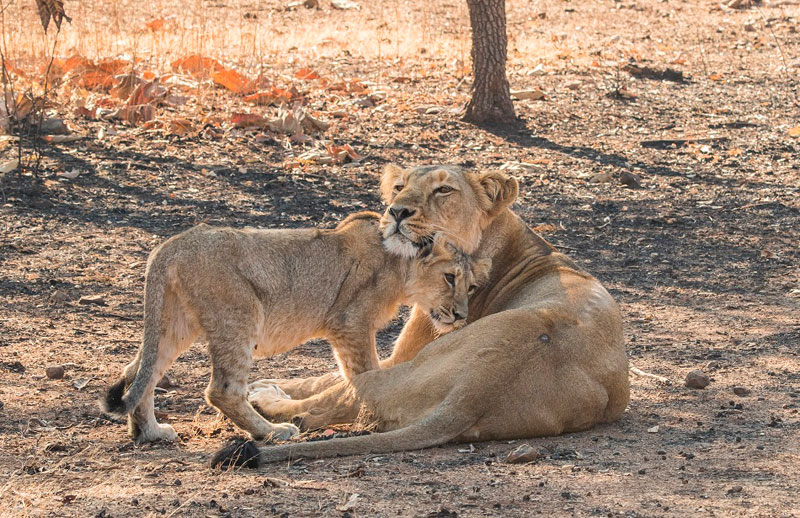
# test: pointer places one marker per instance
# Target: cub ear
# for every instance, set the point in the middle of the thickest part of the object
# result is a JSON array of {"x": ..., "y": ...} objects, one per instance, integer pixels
[
  {"x": 441, "y": 245},
  {"x": 500, "y": 189},
  {"x": 391, "y": 172},
  {"x": 481, "y": 268}
]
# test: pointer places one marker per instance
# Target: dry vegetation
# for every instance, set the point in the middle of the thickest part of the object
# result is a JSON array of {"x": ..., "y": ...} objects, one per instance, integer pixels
[{"x": 143, "y": 143}]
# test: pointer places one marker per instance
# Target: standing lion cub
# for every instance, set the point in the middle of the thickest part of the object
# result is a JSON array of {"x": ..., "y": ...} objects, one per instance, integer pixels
[{"x": 262, "y": 292}]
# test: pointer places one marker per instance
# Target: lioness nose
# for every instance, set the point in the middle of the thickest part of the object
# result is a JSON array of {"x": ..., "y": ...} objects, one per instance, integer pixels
[
  {"x": 400, "y": 213},
  {"x": 458, "y": 316}
]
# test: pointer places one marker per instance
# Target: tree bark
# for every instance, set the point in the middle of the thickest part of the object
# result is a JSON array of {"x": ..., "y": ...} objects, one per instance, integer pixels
[{"x": 491, "y": 99}]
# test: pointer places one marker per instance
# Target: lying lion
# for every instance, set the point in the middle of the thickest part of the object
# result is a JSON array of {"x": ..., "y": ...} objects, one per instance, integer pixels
[
  {"x": 542, "y": 354},
  {"x": 262, "y": 292}
]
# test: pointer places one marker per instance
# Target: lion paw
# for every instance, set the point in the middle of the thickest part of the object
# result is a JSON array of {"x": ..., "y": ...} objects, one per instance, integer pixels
[
  {"x": 265, "y": 395},
  {"x": 159, "y": 432}
]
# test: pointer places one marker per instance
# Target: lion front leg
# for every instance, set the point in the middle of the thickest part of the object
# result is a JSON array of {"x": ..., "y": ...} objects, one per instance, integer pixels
[
  {"x": 299, "y": 388},
  {"x": 336, "y": 405},
  {"x": 416, "y": 334}
]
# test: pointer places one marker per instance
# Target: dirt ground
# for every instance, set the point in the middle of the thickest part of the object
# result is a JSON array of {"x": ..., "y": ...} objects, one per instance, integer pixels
[{"x": 703, "y": 259}]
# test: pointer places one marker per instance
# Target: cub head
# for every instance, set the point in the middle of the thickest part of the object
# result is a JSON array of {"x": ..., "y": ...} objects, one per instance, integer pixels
[
  {"x": 443, "y": 277},
  {"x": 423, "y": 201}
]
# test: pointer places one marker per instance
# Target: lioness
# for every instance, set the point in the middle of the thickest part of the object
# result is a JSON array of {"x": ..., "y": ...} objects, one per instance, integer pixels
[
  {"x": 543, "y": 353},
  {"x": 262, "y": 292}
]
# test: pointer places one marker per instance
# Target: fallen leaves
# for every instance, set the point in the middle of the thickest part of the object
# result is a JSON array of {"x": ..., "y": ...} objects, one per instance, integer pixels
[
  {"x": 533, "y": 95},
  {"x": 197, "y": 66},
  {"x": 306, "y": 74},
  {"x": 233, "y": 81}
]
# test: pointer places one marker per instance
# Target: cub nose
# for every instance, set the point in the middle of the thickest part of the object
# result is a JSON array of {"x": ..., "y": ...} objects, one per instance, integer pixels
[
  {"x": 399, "y": 213},
  {"x": 459, "y": 316}
]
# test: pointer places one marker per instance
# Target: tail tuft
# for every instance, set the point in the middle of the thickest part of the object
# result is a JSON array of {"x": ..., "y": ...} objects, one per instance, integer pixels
[
  {"x": 113, "y": 403},
  {"x": 239, "y": 452}
]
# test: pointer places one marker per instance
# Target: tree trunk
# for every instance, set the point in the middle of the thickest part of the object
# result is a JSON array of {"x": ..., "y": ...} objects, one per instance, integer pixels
[{"x": 491, "y": 100}]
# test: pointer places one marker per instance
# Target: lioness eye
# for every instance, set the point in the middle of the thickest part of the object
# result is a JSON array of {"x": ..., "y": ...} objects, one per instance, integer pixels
[
  {"x": 472, "y": 289},
  {"x": 444, "y": 189},
  {"x": 450, "y": 278},
  {"x": 398, "y": 188}
]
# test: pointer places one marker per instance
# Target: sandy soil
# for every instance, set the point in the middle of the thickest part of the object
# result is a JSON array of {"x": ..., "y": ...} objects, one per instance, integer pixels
[{"x": 703, "y": 260}]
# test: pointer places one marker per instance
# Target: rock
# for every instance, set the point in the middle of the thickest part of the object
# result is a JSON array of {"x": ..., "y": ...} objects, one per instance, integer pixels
[
  {"x": 631, "y": 180},
  {"x": 523, "y": 453},
  {"x": 165, "y": 382},
  {"x": 98, "y": 300},
  {"x": 742, "y": 391},
  {"x": 735, "y": 489},
  {"x": 697, "y": 379},
  {"x": 654, "y": 429},
  {"x": 54, "y": 372}
]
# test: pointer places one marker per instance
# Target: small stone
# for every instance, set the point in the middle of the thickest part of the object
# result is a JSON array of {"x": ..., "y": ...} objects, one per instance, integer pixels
[
  {"x": 97, "y": 300},
  {"x": 654, "y": 429},
  {"x": 523, "y": 453},
  {"x": 165, "y": 382},
  {"x": 742, "y": 391},
  {"x": 735, "y": 489},
  {"x": 697, "y": 379},
  {"x": 54, "y": 372}
]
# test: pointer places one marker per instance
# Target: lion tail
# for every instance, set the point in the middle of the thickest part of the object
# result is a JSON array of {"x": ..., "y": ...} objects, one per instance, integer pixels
[
  {"x": 118, "y": 400},
  {"x": 441, "y": 426}
]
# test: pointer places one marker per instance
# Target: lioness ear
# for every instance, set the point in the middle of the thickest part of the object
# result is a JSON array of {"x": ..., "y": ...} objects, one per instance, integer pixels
[
  {"x": 500, "y": 189},
  {"x": 391, "y": 173}
]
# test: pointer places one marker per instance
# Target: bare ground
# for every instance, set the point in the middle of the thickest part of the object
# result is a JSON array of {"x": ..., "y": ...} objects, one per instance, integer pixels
[{"x": 703, "y": 260}]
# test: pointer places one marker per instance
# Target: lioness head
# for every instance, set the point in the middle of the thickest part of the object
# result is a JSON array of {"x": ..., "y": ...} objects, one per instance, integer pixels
[
  {"x": 443, "y": 278},
  {"x": 425, "y": 200}
]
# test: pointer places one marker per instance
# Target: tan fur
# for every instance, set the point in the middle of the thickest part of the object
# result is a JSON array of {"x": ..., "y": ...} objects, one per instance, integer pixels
[
  {"x": 542, "y": 354},
  {"x": 256, "y": 293}
]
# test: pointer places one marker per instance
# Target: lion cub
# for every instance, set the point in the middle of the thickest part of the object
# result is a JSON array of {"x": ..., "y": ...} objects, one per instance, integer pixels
[{"x": 259, "y": 292}]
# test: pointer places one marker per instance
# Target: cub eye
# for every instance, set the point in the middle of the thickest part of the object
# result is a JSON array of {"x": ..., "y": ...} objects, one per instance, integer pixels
[
  {"x": 472, "y": 289},
  {"x": 450, "y": 278},
  {"x": 398, "y": 188},
  {"x": 444, "y": 189}
]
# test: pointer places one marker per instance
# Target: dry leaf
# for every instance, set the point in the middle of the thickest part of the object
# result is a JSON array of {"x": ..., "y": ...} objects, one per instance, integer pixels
[
  {"x": 306, "y": 74},
  {"x": 70, "y": 175},
  {"x": 52, "y": 9},
  {"x": 61, "y": 139},
  {"x": 125, "y": 86},
  {"x": 180, "y": 126},
  {"x": 272, "y": 96},
  {"x": 248, "y": 120},
  {"x": 344, "y": 4},
  {"x": 233, "y": 81},
  {"x": 794, "y": 132},
  {"x": 156, "y": 25},
  {"x": 134, "y": 115},
  {"x": 533, "y": 95},
  {"x": 8, "y": 166},
  {"x": 198, "y": 66},
  {"x": 350, "y": 504}
]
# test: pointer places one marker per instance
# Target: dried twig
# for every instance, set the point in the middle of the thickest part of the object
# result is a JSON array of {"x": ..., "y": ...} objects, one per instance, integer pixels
[{"x": 645, "y": 374}]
